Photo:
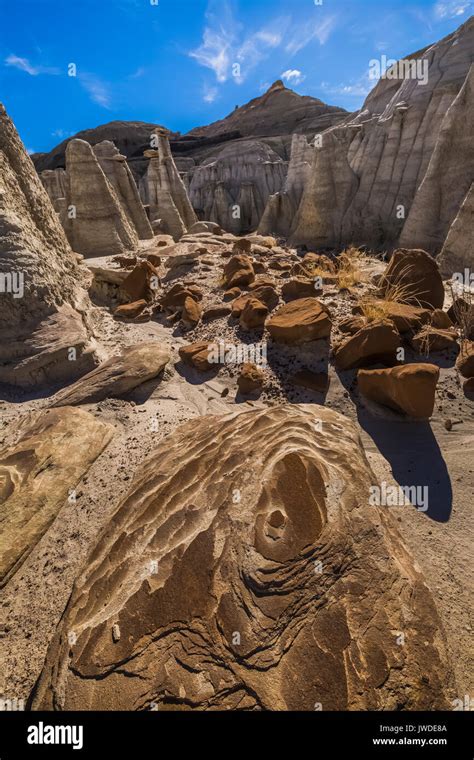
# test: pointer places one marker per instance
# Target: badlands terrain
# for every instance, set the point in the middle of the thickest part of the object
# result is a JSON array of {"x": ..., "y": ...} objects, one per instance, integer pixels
[{"x": 236, "y": 416}]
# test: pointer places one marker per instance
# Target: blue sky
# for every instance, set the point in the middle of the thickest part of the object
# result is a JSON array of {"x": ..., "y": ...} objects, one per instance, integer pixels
[{"x": 185, "y": 63}]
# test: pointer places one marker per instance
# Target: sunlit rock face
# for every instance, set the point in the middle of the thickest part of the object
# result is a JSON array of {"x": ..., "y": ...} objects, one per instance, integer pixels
[
  {"x": 246, "y": 569},
  {"x": 43, "y": 305},
  {"x": 401, "y": 169}
]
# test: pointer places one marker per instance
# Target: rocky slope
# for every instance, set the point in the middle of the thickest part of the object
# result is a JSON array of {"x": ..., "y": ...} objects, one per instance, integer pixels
[
  {"x": 401, "y": 169},
  {"x": 240, "y": 160}
]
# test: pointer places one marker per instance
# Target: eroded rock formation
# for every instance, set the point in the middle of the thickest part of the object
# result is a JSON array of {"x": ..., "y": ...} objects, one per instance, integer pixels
[
  {"x": 94, "y": 219},
  {"x": 400, "y": 170},
  {"x": 163, "y": 190},
  {"x": 250, "y": 577},
  {"x": 44, "y": 334},
  {"x": 115, "y": 167}
]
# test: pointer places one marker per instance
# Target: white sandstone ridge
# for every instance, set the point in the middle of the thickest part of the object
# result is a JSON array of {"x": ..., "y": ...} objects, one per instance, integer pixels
[
  {"x": 44, "y": 333},
  {"x": 163, "y": 190},
  {"x": 399, "y": 171}
]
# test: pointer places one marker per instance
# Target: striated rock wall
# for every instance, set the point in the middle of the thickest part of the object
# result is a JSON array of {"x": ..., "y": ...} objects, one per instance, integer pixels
[
  {"x": 115, "y": 167},
  {"x": 97, "y": 224},
  {"x": 163, "y": 190},
  {"x": 399, "y": 170}
]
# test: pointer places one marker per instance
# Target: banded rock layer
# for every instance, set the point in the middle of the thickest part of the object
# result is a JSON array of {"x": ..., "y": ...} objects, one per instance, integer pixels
[
  {"x": 398, "y": 171},
  {"x": 242, "y": 576},
  {"x": 43, "y": 305}
]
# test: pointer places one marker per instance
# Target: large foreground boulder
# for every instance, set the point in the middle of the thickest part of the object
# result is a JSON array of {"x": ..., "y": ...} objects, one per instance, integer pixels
[
  {"x": 276, "y": 586},
  {"x": 45, "y": 335},
  {"x": 409, "y": 389},
  {"x": 117, "y": 376},
  {"x": 38, "y": 475}
]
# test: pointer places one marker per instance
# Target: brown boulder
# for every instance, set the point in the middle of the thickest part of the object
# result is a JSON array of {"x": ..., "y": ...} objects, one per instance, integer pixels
[
  {"x": 418, "y": 274},
  {"x": 404, "y": 316},
  {"x": 376, "y": 342},
  {"x": 251, "y": 379},
  {"x": 191, "y": 312},
  {"x": 300, "y": 321},
  {"x": 142, "y": 282},
  {"x": 351, "y": 325},
  {"x": 154, "y": 259},
  {"x": 409, "y": 389},
  {"x": 433, "y": 339},
  {"x": 130, "y": 310},
  {"x": 299, "y": 287},
  {"x": 465, "y": 360},
  {"x": 461, "y": 312},
  {"x": 239, "y": 271},
  {"x": 253, "y": 315},
  {"x": 232, "y": 293},
  {"x": 196, "y": 355},
  {"x": 126, "y": 262},
  {"x": 216, "y": 312},
  {"x": 441, "y": 319}
]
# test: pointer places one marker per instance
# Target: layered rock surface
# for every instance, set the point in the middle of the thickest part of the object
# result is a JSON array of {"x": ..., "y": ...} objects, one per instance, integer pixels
[
  {"x": 42, "y": 304},
  {"x": 163, "y": 190},
  {"x": 36, "y": 478},
  {"x": 94, "y": 219},
  {"x": 220, "y": 585},
  {"x": 386, "y": 174}
]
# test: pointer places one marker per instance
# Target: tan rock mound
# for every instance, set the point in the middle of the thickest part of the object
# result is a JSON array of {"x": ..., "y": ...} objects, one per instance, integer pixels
[
  {"x": 163, "y": 189},
  {"x": 228, "y": 578},
  {"x": 117, "y": 376},
  {"x": 300, "y": 321},
  {"x": 418, "y": 275},
  {"x": 377, "y": 342},
  {"x": 38, "y": 475},
  {"x": 409, "y": 389},
  {"x": 115, "y": 167}
]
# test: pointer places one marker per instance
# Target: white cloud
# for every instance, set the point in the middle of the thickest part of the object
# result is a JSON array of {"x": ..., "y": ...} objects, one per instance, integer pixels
[
  {"x": 452, "y": 8},
  {"x": 23, "y": 64},
  {"x": 302, "y": 34},
  {"x": 96, "y": 89},
  {"x": 209, "y": 94},
  {"x": 224, "y": 45},
  {"x": 293, "y": 76}
]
